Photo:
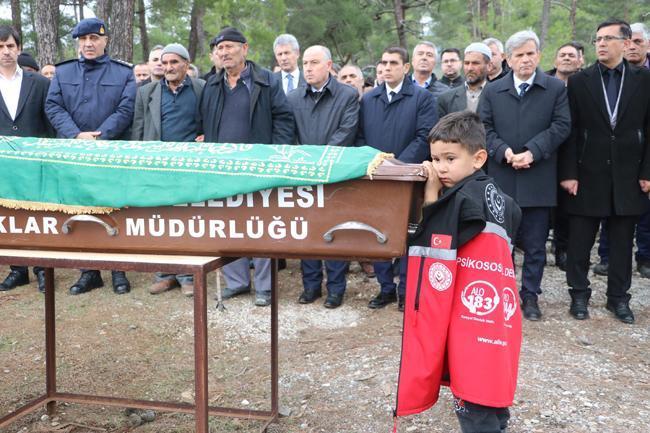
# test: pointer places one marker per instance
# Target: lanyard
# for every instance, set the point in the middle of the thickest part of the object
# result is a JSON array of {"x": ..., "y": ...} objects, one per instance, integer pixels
[{"x": 612, "y": 114}]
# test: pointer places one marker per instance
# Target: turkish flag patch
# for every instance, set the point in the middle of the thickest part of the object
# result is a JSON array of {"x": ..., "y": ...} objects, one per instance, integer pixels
[{"x": 440, "y": 241}]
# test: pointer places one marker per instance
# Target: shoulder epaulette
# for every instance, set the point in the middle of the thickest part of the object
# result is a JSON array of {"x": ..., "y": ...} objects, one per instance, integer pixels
[
  {"x": 123, "y": 63},
  {"x": 66, "y": 61}
]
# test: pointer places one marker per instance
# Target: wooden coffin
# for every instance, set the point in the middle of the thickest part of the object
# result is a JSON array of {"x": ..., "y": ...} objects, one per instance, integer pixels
[{"x": 362, "y": 218}]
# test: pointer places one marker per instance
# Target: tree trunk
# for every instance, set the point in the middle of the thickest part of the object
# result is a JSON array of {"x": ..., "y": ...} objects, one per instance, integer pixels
[
  {"x": 572, "y": 17},
  {"x": 197, "y": 34},
  {"x": 546, "y": 12},
  {"x": 46, "y": 26},
  {"x": 102, "y": 11},
  {"x": 121, "y": 30},
  {"x": 16, "y": 19},
  {"x": 142, "y": 24},
  {"x": 473, "y": 16},
  {"x": 484, "y": 6},
  {"x": 81, "y": 4},
  {"x": 399, "y": 22}
]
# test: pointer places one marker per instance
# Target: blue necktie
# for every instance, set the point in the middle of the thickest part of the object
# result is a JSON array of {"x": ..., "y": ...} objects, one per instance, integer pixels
[
  {"x": 289, "y": 83},
  {"x": 611, "y": 89},
  {"x": 522, "y": 89}
]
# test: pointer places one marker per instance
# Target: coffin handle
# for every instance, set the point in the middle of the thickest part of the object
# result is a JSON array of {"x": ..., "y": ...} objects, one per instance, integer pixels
[
  {"x": 355, "y": 225},
  {"x": 66, "y": 228}
]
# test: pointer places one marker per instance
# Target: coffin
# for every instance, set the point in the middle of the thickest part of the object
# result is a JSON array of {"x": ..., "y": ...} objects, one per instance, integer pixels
[{"x": 361, "y": 218}]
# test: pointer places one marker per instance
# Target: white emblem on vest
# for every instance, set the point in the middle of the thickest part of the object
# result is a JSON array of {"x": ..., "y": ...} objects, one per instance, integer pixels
[
  {"x": 440, "y": 277},
  {"x": 495, "y": 202}
]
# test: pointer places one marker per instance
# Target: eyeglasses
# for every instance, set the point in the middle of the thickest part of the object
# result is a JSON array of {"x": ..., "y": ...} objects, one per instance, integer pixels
[{"x": 607, "y": 38}]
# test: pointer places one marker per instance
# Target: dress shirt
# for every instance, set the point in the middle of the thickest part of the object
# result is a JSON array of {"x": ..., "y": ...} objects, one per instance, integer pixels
[
  {"x": 397, "y": 89},
  {"x": 285, "y": 82},
  {"x": 518, "y": 82},
  {"x": 424, "y": 85},
  {"x": 473, "y": 96},
  {"x": 10, "y": 89}
]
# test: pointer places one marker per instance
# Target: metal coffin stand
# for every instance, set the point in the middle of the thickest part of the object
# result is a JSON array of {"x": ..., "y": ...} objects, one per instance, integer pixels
[{"x": 199, "y": 267}]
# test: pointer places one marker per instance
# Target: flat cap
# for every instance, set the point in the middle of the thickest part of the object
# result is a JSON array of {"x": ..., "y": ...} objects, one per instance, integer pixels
[
  {"x": 176, "y": 49},
  {"x": 228, "y": 34},
  {"x": 26, "y": 59},
  {"x": 479, "y": 47},
  {"x": 88, "y": 26}
]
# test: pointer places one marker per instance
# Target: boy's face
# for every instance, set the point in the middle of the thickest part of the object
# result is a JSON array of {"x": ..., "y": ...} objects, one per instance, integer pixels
[{"x": 454, "y": 163}]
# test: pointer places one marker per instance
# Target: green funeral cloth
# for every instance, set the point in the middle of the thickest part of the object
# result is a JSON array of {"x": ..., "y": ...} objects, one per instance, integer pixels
[{"x": 56, "y": 173}]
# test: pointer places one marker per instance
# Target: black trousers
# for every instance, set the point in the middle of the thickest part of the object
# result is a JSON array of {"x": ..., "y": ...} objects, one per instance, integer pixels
[
  {"x": 475, "y": 418},
  {"x": 582, "y": 234}
]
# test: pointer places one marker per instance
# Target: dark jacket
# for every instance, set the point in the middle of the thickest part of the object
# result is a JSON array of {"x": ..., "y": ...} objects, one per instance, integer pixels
[
  {"x": 147, "y": 118},
  {"x": 434, "y": 86},
  {"x": 608, "y": 164},
  {"x": 452, "y": 101},
  {"x": 31, "y": 120},
  {"x": 331, "y": 119},
  {"x": 270, "y": 115},
  {"x": 538, "y": 122},
  {"x": 400, "y": 127},
  {"x": 91, "y": 95},
  {"x": 457, "y": 82}
]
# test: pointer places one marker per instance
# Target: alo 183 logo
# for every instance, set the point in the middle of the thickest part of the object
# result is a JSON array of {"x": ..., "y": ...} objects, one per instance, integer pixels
[
  {"x": 509, "y": 303},
  {"x": 480, "y": 297}
]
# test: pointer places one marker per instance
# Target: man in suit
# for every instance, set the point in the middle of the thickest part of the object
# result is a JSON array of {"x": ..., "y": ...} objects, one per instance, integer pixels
[
  {"x": 605, "y": 166},
  {"x": 424, "y": 62},
  {"x": 396, "y": 117},
  {"x": 287, "y": 53},
  {"x": 22, "y": 113},
  {"x": 526, "y": 117},
  {"x": 166, "y": 110},
  {"x": 466, "y": 97}
]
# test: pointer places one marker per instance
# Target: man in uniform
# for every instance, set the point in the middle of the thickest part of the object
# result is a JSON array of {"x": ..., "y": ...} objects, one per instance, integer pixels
[{"x": 92, "y": 98}]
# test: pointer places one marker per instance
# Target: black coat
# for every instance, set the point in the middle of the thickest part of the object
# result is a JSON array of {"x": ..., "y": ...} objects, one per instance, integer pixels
[
  {"x": 607, "y": 163},
  {"x": 31, "y": 120},
  {"x": 538, "y": 122},
  {"x": 270, "y": 114}
]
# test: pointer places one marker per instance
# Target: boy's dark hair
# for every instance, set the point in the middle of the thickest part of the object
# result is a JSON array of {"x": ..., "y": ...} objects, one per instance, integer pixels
[
  {"x": 462, "y": 127},
  {"x": 398, "y": 50},
  {"x": 6, "y": 31},
  {"x": 624, "y": 27}
]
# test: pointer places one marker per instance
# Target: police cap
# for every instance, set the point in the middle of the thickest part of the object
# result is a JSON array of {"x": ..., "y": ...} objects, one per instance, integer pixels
[{"x": 88, "y": 26}]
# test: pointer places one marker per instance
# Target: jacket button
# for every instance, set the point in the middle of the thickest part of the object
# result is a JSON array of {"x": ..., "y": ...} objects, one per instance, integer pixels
[
  {"x": 609, "y": 162},
  {"x": 15, "y": 128},
  {"x": 613, "y": 137}
]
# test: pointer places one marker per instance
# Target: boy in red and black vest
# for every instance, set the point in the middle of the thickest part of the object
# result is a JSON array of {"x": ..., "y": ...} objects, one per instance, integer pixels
[{"x": 462, "y": 323}]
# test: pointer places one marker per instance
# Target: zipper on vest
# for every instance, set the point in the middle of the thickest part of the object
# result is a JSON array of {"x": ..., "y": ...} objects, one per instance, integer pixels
[{"x": 419, "y": 286}]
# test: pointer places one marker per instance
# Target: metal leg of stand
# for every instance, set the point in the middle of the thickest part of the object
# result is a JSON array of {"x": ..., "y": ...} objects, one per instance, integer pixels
[
  {"x": 50, "y": 340},
  {"x": 201, "y": 351}
]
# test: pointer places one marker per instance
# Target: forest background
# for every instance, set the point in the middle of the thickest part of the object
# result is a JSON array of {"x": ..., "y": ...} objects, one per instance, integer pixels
[{"x": 355, "y": 30}]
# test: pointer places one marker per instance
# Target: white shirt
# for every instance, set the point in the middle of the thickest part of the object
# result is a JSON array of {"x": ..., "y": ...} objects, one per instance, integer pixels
[
  {"x": 285, "y": 81},
  {"x": 396, "y": 90},
  {"x": 10, "y": 89},
  {"x": 518, "y": 82}
]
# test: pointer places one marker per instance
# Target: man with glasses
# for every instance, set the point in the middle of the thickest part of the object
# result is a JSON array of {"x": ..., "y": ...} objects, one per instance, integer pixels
[
  {"x": 605, "y": 166},
  {"x": 451, "y": 65}
]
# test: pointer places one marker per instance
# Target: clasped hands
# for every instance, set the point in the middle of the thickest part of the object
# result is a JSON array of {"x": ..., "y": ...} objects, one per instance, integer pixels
[{"x": 519, "y": 160}]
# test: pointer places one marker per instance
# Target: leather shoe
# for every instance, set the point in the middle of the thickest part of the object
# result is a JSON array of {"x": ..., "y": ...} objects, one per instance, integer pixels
[
  {"x": 601, "y": 268},
  {"x": 121, "y": 284},
  {"x": 622, "y": 311},
  {"x": 87, "y": 281},
  {"x": 579, "y": 308},
  {"x": 400, "y": 302},
  {"x": 333, "y": 301},
  {"x": 227, "y": 292},
  {"x": 13, "y": 280},
  {"x": 262, "y": 300},
  {"x": 530, "y": 309},
  {"x": 644, "y": 269},
  {"x": 381, "y": 300},
  {"x": 309, "y": 296},
  {"x": 560, "y": 260},
  {"x": 40, "y": 278},
  {"x": 162, "y": 286}
]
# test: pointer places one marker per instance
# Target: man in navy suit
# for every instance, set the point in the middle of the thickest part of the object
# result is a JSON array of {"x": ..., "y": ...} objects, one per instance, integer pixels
[
  {"x": 22, "y": 113},
  {"x": 287, "y": 52}
]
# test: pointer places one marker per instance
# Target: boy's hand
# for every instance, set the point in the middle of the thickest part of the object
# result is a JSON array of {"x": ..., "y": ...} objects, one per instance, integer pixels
[{"x": 433, "y": 185}]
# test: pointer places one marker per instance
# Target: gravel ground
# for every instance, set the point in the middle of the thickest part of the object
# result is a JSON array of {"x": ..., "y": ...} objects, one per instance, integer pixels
[{"x": 338, "y": 368}]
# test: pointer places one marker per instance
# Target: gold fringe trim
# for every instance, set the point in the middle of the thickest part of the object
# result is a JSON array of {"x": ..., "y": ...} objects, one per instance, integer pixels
[
  {"x": 376, "y": 162},
  {"x": 54, "y": 207}
]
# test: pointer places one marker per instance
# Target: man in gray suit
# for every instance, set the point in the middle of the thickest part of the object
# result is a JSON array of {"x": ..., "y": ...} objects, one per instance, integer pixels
[
  {"x": 287, "y": 52},
  {"x": 466, "y": 96},
  {"x": 526, "y": 117},
  {"x": 166, "y": 110}
]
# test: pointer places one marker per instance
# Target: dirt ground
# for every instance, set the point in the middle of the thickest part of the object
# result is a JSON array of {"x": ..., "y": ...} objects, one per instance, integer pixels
[{"x": 338, "y": 368}]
